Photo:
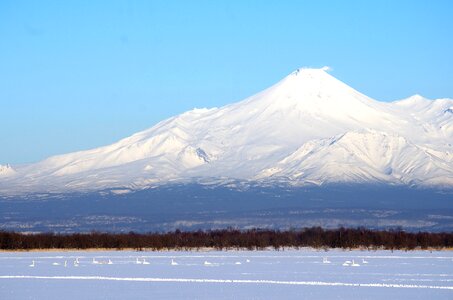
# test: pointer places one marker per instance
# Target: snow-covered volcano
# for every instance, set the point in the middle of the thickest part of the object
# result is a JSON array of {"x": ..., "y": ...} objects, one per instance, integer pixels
[{"x": 308, "y": 128}]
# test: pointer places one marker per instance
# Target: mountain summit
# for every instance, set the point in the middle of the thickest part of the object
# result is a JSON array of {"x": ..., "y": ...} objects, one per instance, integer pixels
[{"x": 309, "y": 128}]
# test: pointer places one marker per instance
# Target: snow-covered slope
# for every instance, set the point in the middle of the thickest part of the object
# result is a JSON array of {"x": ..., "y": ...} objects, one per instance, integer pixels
[
  {"x": 362, "y": 157},
  {"x": 307, "y": 128}
]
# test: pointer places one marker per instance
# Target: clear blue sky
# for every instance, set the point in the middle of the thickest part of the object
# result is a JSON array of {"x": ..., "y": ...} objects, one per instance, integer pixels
[{"x": 81, "y": 74}]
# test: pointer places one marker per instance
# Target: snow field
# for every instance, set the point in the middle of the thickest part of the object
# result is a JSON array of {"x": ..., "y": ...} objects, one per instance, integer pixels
[{"x": 225, "y": 275}]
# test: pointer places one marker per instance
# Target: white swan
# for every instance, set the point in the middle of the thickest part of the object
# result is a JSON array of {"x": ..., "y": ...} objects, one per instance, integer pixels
[
  {"x": 325, "y": 260},
  {"x": 65, "y": 263},
  {"x": 138, "y": 262},
  {"x": 32, "y": 264},
  {"x": 247, "y": 260},
  {"x": 173, "y": 263},
  {"x": 95, "y": 262},
  {"x": 145, "y": 262},
  {"x": 364, "y": 261},
  {"x": 347, "y": 263},
  {"x": 110, "y": 262},
  {"x": 55, "y": 264},
  {"x": 354, "y": 264},
  {"x": 76, "y": 264},
  {"x": 238, "y": 263},
  {"x": 207, "y": 263}
]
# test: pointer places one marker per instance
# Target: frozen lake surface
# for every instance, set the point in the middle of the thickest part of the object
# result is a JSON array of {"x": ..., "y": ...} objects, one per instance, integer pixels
[{"x": 289, "y": 274}]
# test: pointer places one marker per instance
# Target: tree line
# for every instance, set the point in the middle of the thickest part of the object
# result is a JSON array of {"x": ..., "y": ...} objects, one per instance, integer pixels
[{"x": 255, "y": 239}]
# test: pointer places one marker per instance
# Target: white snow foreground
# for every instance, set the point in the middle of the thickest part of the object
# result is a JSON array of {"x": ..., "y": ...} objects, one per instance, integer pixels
[
  {"x": 266, "y": 274},
  {"x": 308, "y": 128}
]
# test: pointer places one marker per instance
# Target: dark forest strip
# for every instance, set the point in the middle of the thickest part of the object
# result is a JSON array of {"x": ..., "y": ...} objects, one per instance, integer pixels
[{"x": 255, "y": 239}]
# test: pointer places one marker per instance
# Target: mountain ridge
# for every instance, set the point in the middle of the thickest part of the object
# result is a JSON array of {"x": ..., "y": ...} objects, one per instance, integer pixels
[{"x": 242, "y": 140}]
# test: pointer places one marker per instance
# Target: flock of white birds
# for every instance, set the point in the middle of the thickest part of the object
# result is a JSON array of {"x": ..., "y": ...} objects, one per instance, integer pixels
[
  {"x": 143, "y": 261},
  {"x": 138, "y": 261}
]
